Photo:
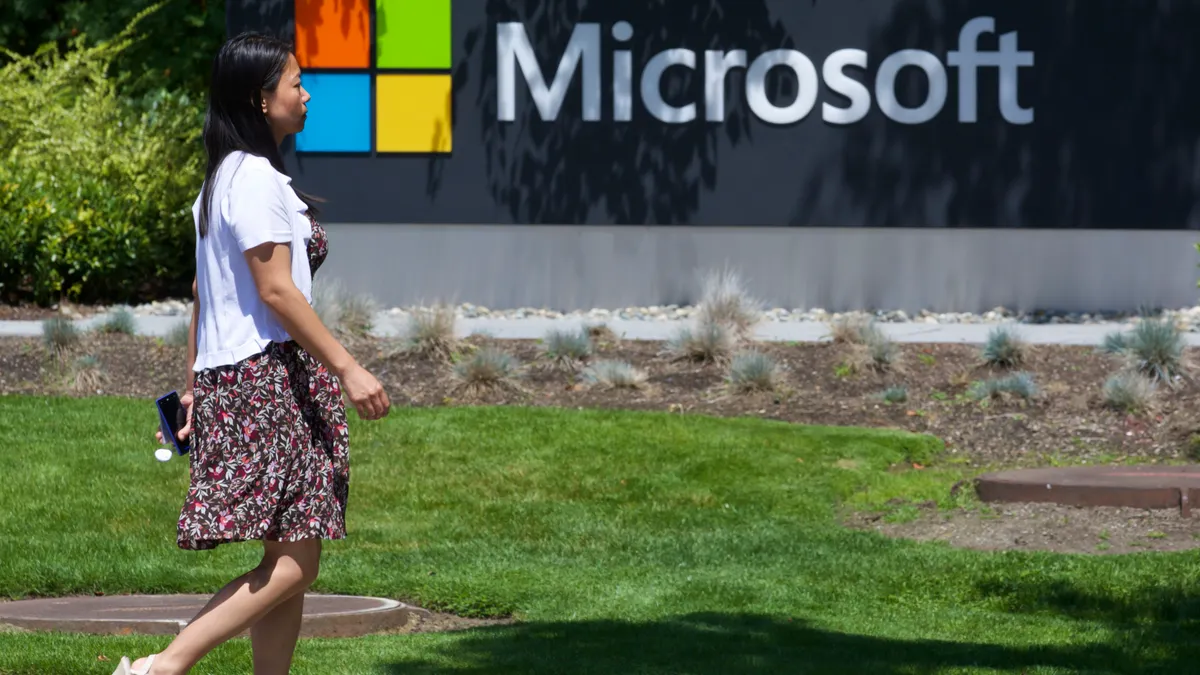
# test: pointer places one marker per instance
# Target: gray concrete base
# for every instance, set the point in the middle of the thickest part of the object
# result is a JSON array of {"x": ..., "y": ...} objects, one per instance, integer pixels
[
  {"x": 571, "y": 267},
  {"x": 324, "y": 615}
]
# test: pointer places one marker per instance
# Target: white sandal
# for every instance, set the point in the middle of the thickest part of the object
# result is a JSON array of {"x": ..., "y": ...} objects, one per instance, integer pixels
[{"x": 126, "y": 668}]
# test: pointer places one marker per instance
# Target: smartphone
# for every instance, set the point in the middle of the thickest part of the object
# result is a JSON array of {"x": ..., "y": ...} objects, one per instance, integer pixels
[{"x": 172, "y": 417}]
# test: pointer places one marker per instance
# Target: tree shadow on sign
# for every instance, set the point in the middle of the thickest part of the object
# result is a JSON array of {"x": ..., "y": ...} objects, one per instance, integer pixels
[
  {"x": 720, "y": 644},
  {"x": 1115, "y": 142},
  {"x": 271, "y": 17},
  {"x": 642, "y": 171}
]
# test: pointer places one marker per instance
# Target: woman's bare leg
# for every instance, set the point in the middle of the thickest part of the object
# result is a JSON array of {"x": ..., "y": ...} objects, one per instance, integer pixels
[
  {"x": 286, "y": 569},
  {"x": 273, "y": 638}
]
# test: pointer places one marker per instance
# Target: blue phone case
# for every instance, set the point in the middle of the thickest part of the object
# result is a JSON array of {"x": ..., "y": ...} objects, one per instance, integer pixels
[{"x": 181, "y": 447}]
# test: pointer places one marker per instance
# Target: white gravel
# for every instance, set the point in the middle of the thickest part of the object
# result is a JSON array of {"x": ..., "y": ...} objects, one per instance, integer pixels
[
  {"x": 661, "y": 323},
  {"x": 1188, "y": 318}
]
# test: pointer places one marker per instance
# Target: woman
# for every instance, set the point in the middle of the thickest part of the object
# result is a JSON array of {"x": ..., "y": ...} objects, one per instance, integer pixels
[{"x": 270, "y": 447}]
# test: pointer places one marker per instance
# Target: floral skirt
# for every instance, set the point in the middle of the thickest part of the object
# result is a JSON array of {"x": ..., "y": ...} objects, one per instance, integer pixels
[{"x": 270, "y": 457}]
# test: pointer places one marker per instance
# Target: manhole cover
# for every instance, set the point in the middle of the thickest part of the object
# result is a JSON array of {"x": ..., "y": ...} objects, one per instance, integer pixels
[
  {"x": 1145, "y": 487},
  {"x": 324, "y": 615}
]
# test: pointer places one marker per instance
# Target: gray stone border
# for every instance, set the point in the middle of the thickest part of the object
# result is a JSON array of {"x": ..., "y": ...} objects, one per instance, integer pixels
[{"x": 390, "y": 325}]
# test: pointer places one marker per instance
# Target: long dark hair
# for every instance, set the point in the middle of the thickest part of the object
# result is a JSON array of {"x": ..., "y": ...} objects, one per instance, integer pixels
[{"x": 246, "y": 66}]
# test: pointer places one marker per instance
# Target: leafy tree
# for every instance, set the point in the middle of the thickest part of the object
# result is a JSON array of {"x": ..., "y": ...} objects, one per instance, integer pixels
[{"x": 174, "y": 53}]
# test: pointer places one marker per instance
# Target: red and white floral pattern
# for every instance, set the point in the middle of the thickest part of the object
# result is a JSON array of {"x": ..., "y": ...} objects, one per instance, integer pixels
[{"x": 270, "y": 455}]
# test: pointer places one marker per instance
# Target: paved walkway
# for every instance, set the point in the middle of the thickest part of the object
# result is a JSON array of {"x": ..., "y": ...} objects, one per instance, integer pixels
[{"x": 770, "y": 331}]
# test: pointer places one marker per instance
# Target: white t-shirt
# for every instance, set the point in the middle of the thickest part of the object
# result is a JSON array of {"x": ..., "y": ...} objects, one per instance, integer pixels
[{"x": 252, "y": 204}]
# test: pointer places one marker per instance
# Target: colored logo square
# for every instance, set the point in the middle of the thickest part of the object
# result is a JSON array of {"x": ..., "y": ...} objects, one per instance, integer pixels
[
  {"x": 333, "y": 33},
  {"x": 413, "y": 113},
  {"x": 412, "y": 34},
  {"x": 339, "y": 113}
]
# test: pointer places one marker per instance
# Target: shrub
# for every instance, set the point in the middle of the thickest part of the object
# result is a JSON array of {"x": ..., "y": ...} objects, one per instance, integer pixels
[
  {"x": 1004, "y": 348},
  {"x": 876, "y": 352},
  {"x": 753, "y": 371},
  {"x": 850, "y": 329},
  {"x": 1114, "y": 343},
  {"x": 707, "y": 342},
  {"x": 95, "y": 190},
  {"x": 1019, "y": 384},
  {"x": 87, "y": 376},
  {"x": 894, "y": 395},
  {"x": 343, "y": 311},
  {"x": 121, "y": 321},
  {"x": 431, "y": 331},
  {"x": 724, "y": 301},
  {"x": 600, "y": 332},
  {"x": 179, "y": 333},
  {"x": 1155, "y": 348},
  {"x": 1129, "y": 391},
  {"x": 358, "y": 314},
  {"x": 487, "y": 368},
  {"x": 614, "y": 375},
  {"x": 59, "y": 334},
  {"x": 568, "y": 347}
]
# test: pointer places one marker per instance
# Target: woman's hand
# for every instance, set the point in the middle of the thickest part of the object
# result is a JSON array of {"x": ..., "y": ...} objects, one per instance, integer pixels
[
  {"x": 365, "y": 393},
  {"x": 184, "y": 433}
]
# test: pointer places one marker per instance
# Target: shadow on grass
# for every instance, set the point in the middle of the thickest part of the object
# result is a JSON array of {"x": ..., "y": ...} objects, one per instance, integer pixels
[
  {"x": 1163, "y": 621},
  {"x": 712, "y": 644}
]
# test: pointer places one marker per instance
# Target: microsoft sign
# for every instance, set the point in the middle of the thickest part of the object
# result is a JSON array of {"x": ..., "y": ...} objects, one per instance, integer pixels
[{"x": 584, "y": 53}]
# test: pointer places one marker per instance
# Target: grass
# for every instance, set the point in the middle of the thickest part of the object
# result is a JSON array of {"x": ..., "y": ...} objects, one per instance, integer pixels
[{"x": 623, "y": 542}]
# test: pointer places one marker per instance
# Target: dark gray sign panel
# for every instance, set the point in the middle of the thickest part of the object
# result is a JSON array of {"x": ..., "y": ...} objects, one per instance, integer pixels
[{"x": 831, "y": 113}]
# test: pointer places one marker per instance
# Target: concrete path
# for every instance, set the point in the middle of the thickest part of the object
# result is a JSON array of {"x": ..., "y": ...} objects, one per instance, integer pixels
[{"x": 770, "y": 331}]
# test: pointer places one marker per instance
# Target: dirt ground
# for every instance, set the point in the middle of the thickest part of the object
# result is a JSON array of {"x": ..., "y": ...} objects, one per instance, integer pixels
[
  {"x": 1066, "y": 423},
  {"x": 1044, "y": 527}
]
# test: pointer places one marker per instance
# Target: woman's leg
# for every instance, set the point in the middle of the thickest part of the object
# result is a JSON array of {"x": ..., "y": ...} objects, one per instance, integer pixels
[
  {"x": 286, "y": 569},
  {"x": 273, "y": 638}
]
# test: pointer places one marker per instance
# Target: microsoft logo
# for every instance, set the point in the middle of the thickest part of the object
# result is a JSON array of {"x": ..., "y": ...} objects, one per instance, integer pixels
[{"x": 379, "y": 75}]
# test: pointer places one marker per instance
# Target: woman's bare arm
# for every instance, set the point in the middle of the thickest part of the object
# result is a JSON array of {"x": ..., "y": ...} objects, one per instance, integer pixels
[
  {"x": 271, "y": 266},
  {"x": 190, "y": 377}
]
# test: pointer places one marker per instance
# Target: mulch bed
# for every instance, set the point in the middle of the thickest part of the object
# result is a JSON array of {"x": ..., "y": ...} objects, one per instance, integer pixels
[
  {"x": 31, "y": 312},
  {"x": 1067, "y": 422}
]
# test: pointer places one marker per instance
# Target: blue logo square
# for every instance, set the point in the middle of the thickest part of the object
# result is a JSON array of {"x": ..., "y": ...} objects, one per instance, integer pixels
[{"x": 339, "y": 113}]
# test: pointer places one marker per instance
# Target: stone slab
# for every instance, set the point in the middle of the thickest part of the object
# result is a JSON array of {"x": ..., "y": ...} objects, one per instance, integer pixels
[
  {"x": 324, "y": 615},
  {"x": 1146, "y": 487},
  {"x": 387, "y": 325}
]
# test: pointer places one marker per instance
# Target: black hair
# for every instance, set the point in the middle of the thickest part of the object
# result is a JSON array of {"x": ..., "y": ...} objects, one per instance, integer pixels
[{"x": 245, "y": 66}]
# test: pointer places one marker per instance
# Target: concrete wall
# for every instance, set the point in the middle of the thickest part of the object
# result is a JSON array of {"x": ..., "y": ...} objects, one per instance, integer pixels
[{"x": 581, "y": 267}]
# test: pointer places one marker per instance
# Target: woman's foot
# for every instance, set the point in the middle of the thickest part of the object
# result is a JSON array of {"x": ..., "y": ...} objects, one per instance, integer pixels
[{"x": 142, "y": 665}]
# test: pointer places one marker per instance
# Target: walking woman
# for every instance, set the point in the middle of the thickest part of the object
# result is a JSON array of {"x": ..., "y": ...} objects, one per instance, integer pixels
[{"x": 270, "y": 446}]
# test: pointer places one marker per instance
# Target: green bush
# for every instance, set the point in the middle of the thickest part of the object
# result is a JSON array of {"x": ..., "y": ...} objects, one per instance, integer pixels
[{"x": 95, "y": 189}]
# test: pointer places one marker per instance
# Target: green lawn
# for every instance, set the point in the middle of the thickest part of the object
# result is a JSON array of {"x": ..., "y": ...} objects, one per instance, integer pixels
[{"x": 624, "y": 542}]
